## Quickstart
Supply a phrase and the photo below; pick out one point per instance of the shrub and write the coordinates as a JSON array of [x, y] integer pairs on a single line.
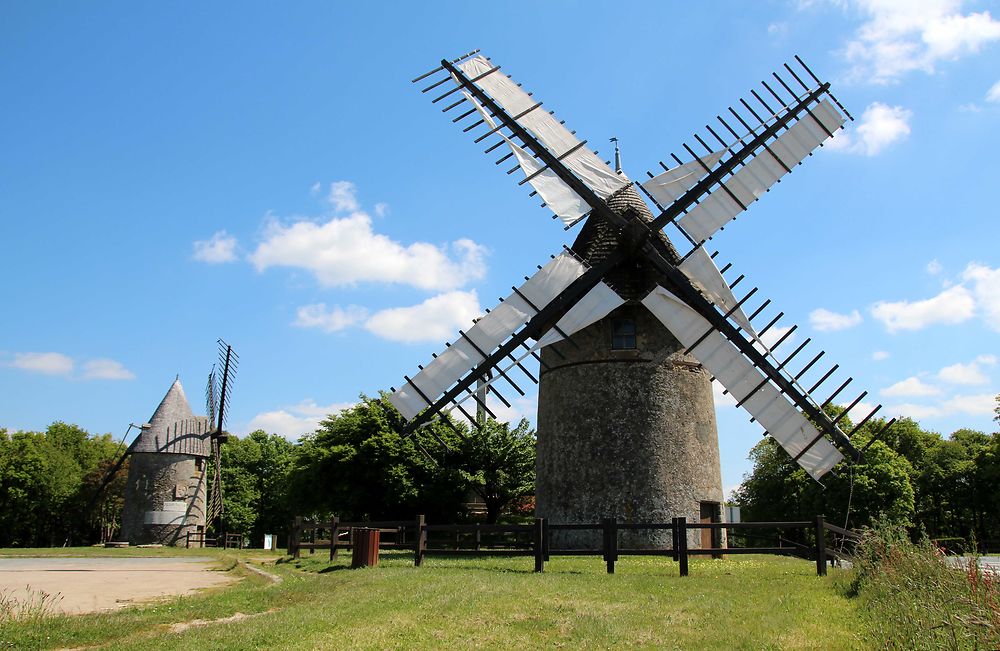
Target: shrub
[[913, 596]]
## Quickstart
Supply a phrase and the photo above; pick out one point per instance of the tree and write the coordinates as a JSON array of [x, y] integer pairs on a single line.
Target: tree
[[498, 463], [255, 474], [358, 466], [778, 489], [46, 480]]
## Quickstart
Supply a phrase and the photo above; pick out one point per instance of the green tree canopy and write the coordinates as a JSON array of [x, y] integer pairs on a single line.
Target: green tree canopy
[[357, 465], [255, 476], [778, 489], [498, 463]]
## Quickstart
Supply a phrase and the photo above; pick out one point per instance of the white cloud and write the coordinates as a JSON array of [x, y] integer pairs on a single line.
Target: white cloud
[[985, 283], [981, 404], [44, 363], [329, 320], [315, 188], [989, 360], [777, 29], [880, 126], [880, 355], [977, 293], [292, 422], [721, 399], [951, 306], [824, 320], [916, 412], [902, 36], [974, 405], [217, 250], [774, 334], [381, 209], [343, 197], [106, 369], [934, 267], [993, 94], [910, 387], [345, 251], [520, 407], [963, 374], [434, 320], [859, 411]]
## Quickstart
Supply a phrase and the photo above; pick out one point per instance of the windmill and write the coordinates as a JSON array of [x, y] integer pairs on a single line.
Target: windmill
[[217, 396], [624, 259], [165, 494]]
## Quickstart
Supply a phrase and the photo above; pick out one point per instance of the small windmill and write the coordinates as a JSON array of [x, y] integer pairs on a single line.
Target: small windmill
[[752, 148], [217, 395]]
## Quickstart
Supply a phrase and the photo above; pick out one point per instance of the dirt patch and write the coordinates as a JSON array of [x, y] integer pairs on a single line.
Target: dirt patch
[[87, 585], [180, 627]]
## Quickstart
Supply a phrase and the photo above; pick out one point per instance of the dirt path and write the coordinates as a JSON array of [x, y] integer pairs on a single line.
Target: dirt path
[[94, 584]]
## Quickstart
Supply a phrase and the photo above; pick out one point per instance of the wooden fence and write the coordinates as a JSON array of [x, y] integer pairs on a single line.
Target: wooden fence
[[534, 539], [228, 541]]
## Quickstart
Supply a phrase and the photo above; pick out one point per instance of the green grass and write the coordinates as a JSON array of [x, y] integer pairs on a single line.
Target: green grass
[[753, 602]]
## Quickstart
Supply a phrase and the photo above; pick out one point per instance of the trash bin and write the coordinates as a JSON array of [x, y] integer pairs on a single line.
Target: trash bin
[[365, 553]]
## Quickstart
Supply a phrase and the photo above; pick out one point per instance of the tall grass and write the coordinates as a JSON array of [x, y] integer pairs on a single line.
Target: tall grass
[[914, 597], [34, 606]]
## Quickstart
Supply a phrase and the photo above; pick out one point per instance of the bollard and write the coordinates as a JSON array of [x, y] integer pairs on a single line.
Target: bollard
[[365, 552]]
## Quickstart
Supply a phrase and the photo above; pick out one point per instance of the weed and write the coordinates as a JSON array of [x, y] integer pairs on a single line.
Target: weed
[[916, 597]]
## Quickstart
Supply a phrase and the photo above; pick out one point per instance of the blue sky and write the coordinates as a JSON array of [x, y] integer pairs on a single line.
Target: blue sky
[[174, 173]]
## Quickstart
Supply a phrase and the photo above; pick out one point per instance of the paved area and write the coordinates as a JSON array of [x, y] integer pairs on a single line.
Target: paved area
[[88, 585], [990, 562]]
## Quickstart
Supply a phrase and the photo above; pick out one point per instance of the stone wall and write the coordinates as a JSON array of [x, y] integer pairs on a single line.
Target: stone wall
[[164, 498], [629, 434]]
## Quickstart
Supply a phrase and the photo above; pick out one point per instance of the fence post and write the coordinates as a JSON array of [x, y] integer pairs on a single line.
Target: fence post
[[820, 546], [539, 544], [675, 545], [479, 539], [682, 540], [545, 538], [420, 545], [610, 526], [293, 537], [716, 535], [334, 536]]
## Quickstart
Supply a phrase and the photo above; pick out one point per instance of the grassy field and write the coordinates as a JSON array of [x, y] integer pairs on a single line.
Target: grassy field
[[738, 603]]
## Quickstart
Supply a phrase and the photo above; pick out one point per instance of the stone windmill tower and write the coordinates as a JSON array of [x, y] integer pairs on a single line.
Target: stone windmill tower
[[165, 495], [628, 325], [620, 406]]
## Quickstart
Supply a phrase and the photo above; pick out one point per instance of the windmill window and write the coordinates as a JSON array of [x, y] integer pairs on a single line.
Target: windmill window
[[622, 334]]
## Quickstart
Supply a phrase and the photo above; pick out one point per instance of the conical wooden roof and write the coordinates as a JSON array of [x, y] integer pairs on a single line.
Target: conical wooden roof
[[598, 238], [174, 428]]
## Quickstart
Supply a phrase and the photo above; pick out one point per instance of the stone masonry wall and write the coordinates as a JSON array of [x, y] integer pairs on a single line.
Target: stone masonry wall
[[164, 498], [629, 434]]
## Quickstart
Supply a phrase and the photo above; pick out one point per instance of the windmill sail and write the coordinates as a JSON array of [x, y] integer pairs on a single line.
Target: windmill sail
[[217, 397], [760, 173], [746, 383], [594, 306], [692, 299], [468, 353], [484, 86]]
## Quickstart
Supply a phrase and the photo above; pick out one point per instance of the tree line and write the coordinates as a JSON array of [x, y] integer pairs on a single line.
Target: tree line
[[356, 465], [947, 488]]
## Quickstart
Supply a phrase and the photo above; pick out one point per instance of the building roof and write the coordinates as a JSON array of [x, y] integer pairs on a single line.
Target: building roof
[[598, 238], [174, 429]]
